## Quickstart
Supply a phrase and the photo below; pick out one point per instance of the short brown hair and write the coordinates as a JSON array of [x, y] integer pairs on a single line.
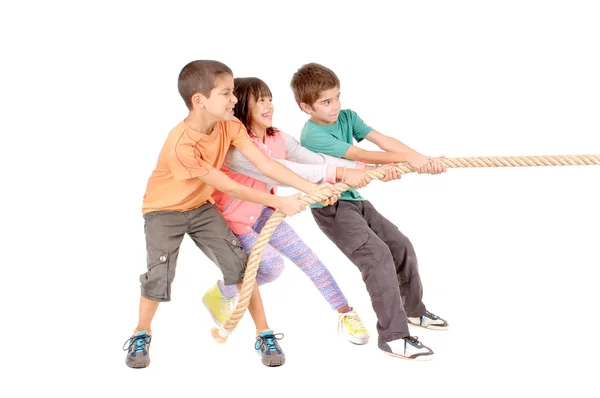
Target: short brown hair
[[200, 77], [310, 80]]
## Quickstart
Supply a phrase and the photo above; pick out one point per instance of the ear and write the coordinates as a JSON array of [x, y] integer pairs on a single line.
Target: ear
[[306, 108], [198, 100]]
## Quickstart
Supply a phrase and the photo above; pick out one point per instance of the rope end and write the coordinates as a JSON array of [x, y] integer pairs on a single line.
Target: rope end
[[220, 335]]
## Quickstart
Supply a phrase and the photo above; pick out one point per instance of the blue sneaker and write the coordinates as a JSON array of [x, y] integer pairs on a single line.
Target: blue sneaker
[[138, 350], [268, 348]]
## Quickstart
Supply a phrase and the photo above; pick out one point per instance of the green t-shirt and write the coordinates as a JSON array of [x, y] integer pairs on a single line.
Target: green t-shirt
[[335, 140]]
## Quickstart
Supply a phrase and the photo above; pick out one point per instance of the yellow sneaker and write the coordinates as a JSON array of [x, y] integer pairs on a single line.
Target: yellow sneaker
[[350, 325], [219, 306]]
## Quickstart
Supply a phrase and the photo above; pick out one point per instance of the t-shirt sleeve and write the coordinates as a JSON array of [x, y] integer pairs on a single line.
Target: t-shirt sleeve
[[323, 142], [187, 162], [239, 136], [359, 128]]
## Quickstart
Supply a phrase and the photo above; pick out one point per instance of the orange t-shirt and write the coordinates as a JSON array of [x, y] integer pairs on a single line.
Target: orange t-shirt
[[188, 154]]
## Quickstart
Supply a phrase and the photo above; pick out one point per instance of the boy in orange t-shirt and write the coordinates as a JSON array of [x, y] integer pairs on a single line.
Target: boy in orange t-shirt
[[178, 200]]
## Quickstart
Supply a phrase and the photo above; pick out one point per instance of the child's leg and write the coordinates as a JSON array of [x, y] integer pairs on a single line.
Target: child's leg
[[266, 344], [147, 310], [346, 226], [257, 310], [288, 243], [405, 259], [212, 235], [164, 232], [271, 263], [270, 267]]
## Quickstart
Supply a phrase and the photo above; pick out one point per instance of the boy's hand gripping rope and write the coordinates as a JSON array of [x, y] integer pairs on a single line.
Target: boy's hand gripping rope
[[220, 334]]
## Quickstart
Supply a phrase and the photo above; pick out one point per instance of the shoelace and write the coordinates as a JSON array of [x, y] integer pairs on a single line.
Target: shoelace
[[138, 341], [353, 320], [269, 341], [414, 340], [228, 304], [430, 315]]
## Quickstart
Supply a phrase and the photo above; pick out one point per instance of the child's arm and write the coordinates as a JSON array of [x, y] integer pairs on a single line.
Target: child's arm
[[314, 167], [295, 152], [276, 171], [395, 151], [315, 173], [289, 205]]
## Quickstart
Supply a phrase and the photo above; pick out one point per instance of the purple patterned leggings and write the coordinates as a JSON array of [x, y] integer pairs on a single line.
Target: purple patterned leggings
[[285, 242]]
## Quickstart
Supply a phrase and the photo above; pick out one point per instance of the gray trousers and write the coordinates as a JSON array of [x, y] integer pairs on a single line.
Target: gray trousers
[[385, 258]]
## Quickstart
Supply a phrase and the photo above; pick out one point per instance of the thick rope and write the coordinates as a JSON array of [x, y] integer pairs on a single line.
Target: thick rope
[[220, 334]]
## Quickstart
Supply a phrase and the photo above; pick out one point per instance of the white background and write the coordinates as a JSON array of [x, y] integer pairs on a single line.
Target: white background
[[508, 256]]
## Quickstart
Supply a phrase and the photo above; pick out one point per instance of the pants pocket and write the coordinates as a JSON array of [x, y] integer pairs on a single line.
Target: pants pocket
[[155, 282], [349, 243], [233, 270]]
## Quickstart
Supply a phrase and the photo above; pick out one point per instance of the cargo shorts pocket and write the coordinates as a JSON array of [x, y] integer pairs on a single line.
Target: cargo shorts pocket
[[233, 270], [155, 282]]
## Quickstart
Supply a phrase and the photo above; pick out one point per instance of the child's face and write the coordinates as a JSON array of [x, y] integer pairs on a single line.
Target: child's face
[[327, 107], [261, 112], [221, 102]]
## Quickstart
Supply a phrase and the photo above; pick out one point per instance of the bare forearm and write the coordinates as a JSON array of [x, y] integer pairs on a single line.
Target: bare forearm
[[376, 157], [218, 180], [390, 144]]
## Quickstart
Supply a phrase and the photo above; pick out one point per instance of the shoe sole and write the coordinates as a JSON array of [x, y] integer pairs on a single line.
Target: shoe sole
[[427, 357], [272, 363], [134, 365], [356, 340]]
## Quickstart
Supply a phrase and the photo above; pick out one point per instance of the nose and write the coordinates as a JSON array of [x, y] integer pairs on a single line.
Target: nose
[[234, 99], [336, 105]]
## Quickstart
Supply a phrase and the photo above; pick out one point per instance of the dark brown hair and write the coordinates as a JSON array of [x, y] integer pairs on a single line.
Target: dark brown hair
[[200, 77], [310, 80], [245, 88]]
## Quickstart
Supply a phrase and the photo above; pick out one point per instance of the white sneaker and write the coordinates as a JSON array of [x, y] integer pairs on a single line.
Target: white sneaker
[[351, 326], [408, 348], [429, 321]]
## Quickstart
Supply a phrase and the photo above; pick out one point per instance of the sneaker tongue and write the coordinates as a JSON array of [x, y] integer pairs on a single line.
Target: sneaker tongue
[[266, 332], [142, 333]]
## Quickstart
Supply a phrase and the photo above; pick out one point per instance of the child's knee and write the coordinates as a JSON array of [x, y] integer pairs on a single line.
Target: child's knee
[[270, 270], [156, 281]]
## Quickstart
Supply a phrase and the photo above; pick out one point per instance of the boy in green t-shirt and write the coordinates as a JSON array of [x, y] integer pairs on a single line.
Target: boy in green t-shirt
[[385, 256]]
